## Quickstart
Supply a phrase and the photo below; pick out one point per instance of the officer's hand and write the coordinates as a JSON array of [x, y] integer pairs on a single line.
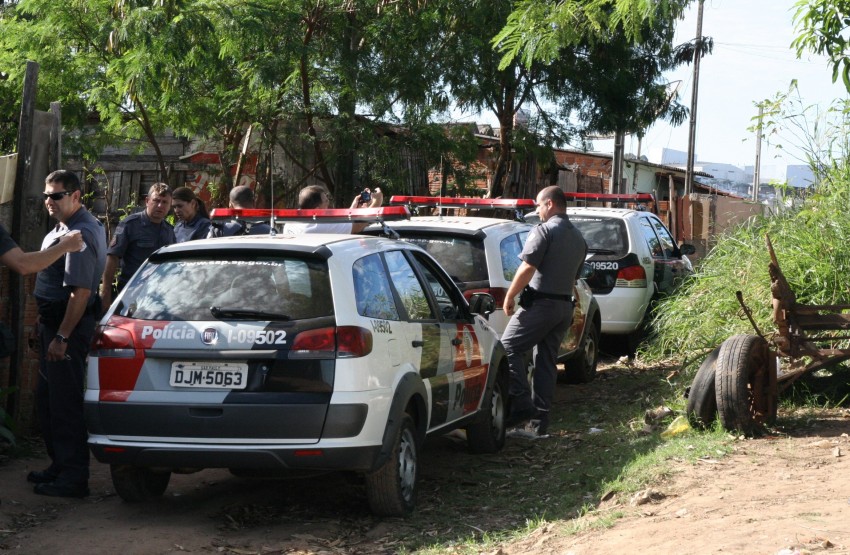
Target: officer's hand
[[56, 350], [72, 241], [509, 306], [377, 198]]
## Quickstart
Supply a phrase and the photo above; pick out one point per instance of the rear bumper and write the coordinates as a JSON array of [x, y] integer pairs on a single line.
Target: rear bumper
[[623, 309], [268, 457]]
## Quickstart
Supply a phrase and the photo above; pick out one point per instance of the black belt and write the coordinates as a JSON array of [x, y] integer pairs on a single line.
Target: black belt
[[542, 295]]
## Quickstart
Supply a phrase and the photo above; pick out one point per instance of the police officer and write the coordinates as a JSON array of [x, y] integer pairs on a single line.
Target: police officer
[[191, 213], [241, 197], [135, 239], [551, 260], [68, 307]]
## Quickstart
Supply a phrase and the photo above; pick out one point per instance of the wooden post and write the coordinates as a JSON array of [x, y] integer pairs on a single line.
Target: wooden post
[[22, 179], [56, 137]]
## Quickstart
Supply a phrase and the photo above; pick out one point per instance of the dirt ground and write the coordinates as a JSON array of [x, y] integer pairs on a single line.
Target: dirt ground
[[782, 493]]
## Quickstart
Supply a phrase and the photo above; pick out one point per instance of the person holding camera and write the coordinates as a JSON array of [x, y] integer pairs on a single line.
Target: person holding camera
[[552, 258], [314, 197]]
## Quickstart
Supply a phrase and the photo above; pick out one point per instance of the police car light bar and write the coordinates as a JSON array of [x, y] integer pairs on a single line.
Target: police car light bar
[[603, 197], [327, 215], [462, 202]]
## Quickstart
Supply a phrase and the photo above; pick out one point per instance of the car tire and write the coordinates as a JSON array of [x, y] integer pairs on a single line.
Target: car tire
[[137, 483], [487, 433], [741, 383], [581, 368], [391, 489], [702, 399]]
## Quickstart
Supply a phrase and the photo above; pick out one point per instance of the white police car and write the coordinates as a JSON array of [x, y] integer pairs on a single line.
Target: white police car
[[281, 353], [634, 258], [482, 255]]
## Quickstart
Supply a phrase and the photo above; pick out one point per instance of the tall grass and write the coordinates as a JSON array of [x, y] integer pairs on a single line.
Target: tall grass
[[812, 244]]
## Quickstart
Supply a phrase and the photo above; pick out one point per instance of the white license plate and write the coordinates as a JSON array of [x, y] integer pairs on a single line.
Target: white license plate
[[216, 375]]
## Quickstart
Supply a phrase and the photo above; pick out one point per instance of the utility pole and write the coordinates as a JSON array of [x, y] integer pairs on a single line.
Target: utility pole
[[757, 167], [689, 173]]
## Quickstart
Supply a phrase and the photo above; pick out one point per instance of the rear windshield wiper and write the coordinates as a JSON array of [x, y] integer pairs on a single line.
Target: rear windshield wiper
[[224, 312], [601, 251]]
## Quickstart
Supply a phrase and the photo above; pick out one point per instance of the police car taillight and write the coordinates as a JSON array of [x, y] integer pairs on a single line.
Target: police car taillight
[[342, 341], [631, 276], [113, 342]]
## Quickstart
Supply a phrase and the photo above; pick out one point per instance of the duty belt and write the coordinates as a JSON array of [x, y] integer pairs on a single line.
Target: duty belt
[[541, 295]]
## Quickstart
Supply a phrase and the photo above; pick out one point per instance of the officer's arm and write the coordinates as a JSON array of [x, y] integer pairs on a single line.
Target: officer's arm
[[112, 262], [30, 262], [522, 278]]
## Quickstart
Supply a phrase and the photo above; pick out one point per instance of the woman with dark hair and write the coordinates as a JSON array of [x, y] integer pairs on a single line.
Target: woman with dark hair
[[193, 218]]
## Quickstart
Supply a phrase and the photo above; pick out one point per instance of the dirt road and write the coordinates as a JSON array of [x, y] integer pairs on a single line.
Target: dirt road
[[786, 491]]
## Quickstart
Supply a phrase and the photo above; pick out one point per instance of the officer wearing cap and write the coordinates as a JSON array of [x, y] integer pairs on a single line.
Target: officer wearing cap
[[135, 239]]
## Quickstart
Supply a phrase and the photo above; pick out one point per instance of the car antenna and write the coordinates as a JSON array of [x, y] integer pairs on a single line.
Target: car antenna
[[272, 229]]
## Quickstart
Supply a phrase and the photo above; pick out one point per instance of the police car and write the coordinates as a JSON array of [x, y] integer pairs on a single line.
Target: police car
[[318, 352], [482, 255], [634, 257]]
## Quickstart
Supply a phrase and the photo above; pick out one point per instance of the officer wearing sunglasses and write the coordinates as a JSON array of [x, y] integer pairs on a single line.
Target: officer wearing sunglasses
[[68, 308]]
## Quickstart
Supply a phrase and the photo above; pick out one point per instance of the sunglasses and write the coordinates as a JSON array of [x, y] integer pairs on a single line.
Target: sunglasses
[[57, 196]]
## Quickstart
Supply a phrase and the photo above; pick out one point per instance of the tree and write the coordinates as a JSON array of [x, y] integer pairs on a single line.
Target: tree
[[822, 29]]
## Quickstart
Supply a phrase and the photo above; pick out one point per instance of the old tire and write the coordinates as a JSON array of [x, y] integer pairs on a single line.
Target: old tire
[[702, 396], [742, 383], [487, 433], [391, 489], [137, 483], [581, 368]]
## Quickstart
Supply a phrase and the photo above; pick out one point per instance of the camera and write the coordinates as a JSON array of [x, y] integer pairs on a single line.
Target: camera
[[366, 196]]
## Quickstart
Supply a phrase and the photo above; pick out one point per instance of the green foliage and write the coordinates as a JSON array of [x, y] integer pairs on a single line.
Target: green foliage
[[822, 28], [812, 244]]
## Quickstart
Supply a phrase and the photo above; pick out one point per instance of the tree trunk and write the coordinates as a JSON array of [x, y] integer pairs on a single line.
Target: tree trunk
[[499, 183]]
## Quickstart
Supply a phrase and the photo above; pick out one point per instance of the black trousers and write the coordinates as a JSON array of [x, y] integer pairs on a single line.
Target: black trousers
[[59, 397]]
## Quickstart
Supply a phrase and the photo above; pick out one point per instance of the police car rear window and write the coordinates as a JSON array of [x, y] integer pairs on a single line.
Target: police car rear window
[[186, 289], [603, 235], [463, 259]]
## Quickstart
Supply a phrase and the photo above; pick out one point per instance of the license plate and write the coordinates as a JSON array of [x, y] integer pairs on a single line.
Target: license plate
[[216, 375]]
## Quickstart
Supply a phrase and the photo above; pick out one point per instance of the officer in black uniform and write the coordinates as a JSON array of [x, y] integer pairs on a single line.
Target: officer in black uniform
[[68, 308], [135, 239], [551, 260], [240, 197]]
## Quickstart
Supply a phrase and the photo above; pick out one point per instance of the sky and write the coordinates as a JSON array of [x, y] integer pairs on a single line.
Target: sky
[[751, 61]]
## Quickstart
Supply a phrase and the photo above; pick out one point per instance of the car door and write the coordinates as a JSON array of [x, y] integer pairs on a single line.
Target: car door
[[679, 266], [663, 265], [460, 379]]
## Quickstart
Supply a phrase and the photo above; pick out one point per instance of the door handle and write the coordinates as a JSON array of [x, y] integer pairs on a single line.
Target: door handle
[[417, 343], [456, 341]]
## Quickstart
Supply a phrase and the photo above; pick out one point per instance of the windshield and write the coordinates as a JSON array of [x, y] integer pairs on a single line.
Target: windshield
[[259, 288], [602, 235], [462, 258]]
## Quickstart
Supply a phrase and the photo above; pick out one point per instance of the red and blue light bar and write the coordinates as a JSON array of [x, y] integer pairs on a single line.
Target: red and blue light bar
[[328, 215], [462, 202]]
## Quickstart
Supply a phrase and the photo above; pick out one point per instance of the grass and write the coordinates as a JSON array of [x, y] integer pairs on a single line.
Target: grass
[[599, 450]]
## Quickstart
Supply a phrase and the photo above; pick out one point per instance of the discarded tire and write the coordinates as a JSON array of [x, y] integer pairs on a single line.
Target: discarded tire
[[702, 397], [741, 381]]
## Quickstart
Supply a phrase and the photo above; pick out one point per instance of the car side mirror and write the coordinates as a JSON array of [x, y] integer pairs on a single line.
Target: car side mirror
[[482, 303], [687, 248]]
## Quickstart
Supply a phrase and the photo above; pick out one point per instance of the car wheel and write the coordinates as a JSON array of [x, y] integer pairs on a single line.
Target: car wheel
[[391, 489], [742, 383], [487, 433], [581, 368], [702, 400], [137, 483]]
